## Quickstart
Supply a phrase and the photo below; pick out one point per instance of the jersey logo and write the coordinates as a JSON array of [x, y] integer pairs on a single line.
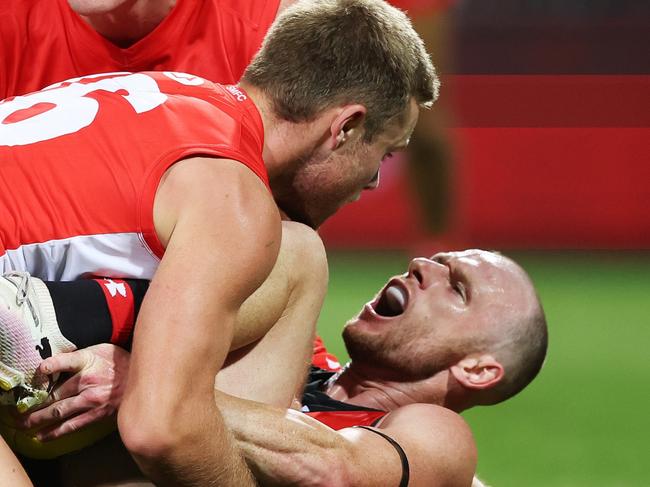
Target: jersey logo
[[115, 287], [236, 92]]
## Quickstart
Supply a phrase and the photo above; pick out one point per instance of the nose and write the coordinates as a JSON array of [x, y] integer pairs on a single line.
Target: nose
[[426, 271]]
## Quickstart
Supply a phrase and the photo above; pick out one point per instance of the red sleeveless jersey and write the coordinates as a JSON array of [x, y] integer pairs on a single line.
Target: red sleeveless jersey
[[44, 41], [80, 163]]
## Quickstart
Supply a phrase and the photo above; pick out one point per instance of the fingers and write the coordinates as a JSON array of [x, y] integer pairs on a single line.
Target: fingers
[[73, 424], [72, 362], [69, 388], [56, 412]]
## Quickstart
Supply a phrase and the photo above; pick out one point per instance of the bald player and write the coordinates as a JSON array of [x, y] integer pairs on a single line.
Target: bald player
[[458, 330]]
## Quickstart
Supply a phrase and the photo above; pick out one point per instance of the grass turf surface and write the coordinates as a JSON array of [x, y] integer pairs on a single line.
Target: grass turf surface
[[584, 420]]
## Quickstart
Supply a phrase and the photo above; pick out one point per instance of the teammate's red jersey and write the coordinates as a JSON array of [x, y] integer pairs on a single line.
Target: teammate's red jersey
[[44, 41], [80, 163]]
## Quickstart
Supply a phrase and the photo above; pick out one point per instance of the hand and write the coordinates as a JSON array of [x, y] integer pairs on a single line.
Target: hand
[[92, 393]]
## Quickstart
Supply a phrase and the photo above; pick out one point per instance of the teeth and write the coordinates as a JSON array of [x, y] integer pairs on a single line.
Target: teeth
[[396, 299]]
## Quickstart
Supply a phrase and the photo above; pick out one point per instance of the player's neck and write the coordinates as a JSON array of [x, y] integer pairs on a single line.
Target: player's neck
[[130, 21], [360, 387]]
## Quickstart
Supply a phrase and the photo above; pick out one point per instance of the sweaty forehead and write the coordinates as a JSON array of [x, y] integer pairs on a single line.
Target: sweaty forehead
[[496, 283], [479, 257], [474, 257], [494, 271]]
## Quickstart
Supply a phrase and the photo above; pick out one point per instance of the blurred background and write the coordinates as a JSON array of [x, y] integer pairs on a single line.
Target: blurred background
[[538, 147]]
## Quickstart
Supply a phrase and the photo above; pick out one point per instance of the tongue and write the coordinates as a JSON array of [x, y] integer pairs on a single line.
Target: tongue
[[395, 299]]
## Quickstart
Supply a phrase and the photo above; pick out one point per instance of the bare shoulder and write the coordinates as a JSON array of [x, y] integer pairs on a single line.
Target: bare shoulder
[[209, 176], [209, 186], [438, 443], [218, 217], [417, 416]]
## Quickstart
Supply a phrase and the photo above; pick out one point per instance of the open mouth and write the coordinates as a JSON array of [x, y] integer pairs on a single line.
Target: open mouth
[[392, 301]]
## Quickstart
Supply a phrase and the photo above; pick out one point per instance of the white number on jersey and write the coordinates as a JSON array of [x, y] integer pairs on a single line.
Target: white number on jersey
[[64, 108]]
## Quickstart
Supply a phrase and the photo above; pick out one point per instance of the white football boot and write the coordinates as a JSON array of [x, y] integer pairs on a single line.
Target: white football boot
[[29, 333]]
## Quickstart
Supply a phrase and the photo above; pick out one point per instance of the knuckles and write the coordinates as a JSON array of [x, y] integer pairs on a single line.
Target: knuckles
[[57, 411], [97, 396]]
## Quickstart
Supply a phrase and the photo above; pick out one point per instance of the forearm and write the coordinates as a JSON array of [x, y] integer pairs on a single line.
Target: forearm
[[168, 420], [286, 447]]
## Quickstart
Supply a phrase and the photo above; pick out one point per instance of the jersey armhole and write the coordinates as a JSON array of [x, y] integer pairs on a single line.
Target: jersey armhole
[[152, 180]]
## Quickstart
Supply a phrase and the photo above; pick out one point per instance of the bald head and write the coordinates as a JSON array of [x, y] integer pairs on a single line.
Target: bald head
[[513, 330], [518, 341]]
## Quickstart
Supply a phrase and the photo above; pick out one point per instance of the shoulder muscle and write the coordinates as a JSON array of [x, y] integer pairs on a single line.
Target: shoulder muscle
[[437, 442]]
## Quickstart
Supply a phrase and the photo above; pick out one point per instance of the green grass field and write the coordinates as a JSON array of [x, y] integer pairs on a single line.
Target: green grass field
[[584, 421]]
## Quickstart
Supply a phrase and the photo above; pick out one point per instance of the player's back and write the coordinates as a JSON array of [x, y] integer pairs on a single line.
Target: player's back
[[81, 161]]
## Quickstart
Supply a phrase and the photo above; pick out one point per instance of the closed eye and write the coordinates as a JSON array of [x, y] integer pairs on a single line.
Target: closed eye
[[457, 282], [460, 289]]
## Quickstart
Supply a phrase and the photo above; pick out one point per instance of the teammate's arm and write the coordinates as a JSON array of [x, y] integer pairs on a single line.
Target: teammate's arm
[[222, 232], [286, 447]]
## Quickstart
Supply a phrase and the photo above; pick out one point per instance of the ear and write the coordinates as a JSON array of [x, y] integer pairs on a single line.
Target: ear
[[347, 124], [481, 372]]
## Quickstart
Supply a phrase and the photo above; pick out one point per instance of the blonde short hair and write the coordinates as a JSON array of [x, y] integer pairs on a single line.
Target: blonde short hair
[[320, 53]]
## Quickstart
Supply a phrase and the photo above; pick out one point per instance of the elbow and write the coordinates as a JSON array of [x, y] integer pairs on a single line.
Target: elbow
[[148, 438], [144, 441], [164, 437]]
